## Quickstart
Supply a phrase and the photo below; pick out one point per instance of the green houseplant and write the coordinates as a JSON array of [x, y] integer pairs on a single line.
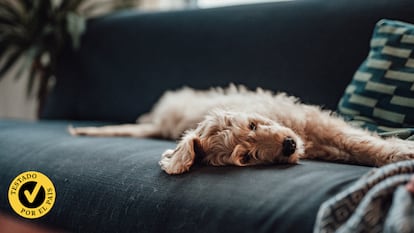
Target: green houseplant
[[34, 32]]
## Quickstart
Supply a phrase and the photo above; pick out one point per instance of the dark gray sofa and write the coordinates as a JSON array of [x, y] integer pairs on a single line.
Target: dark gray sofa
[[127, 60]]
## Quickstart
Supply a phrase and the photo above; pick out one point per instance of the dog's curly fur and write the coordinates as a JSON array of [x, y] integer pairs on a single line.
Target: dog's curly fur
[[237, 126]]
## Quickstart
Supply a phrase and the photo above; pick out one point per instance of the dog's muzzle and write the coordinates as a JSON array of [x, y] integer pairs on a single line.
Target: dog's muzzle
[[289, 146]]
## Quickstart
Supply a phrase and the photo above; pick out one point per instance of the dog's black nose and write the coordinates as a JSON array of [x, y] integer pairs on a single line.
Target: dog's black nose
[[289, 146]]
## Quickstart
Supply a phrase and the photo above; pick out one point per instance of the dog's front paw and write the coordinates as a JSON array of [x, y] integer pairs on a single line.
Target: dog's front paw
[[170, 164], [182, 158], [398, 150], [167, 154], [401, 156]]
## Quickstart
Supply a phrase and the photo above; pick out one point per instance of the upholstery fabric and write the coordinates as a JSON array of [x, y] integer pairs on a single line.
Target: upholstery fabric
[[382, 89], [309, 48], [116, 185]]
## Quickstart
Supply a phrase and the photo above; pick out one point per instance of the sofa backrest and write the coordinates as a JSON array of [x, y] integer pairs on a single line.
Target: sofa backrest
[[308, 48]]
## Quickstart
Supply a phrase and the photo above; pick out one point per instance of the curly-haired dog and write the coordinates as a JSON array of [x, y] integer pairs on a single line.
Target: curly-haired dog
[[236, 126]]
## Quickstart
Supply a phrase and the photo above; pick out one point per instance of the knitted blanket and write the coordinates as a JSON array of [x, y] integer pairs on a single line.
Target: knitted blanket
[[377, 202]]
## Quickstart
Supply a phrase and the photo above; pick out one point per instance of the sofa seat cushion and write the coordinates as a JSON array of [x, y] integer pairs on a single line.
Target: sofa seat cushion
[[116, 185]]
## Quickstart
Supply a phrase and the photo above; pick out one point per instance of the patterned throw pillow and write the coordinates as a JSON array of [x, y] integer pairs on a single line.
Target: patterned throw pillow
[[381, 94]]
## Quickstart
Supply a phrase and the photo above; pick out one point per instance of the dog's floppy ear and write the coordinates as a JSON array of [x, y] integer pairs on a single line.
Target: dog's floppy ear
[[240, 156], [183, 157]]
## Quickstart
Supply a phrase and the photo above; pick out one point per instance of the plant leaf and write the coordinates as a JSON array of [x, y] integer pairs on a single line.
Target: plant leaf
[[8, 10], [9, 15], [34, 54], [32, 77], [72, 5], [10, 61], [75, 26], [27, 61], [91, 8], [27, 5]]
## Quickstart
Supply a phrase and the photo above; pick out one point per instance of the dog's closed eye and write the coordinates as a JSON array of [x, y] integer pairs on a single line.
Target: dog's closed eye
[[252, 126], [246, 158]]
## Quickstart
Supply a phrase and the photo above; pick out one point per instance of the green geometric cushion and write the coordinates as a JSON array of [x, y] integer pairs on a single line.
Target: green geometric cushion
[[381, 93]]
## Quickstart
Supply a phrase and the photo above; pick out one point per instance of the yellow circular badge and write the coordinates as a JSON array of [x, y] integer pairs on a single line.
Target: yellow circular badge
[[32, 194]]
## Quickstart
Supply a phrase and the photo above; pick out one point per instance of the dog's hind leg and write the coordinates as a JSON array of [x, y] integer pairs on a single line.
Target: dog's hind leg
[[126, 130]]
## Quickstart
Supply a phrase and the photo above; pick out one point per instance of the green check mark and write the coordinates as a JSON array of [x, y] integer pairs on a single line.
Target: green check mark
[[32, 196]]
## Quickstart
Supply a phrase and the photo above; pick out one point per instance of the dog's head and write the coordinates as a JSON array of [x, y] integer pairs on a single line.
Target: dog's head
[[234, 138]]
